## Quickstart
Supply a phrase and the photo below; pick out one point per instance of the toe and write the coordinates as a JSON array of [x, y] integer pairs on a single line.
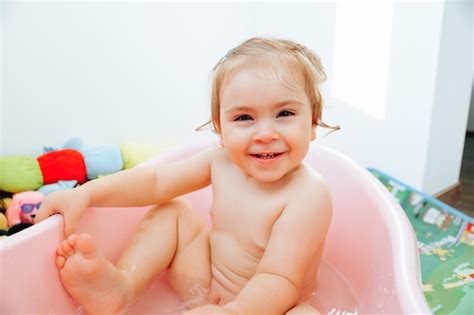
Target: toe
[[72, 239], [65, 248], [60, 262], [86, 245], [60, 252]]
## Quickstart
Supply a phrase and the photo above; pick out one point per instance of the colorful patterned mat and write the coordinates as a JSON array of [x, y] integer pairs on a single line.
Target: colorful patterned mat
[[446, 244]]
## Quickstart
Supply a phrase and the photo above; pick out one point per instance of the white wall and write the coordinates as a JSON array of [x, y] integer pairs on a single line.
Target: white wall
[[115, 72], [397, 144], [1, 79], [470, 122], [111, 72], [451, 98], [426, 90]]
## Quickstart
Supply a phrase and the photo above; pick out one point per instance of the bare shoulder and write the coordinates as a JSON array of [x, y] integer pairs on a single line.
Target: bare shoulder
[[210, 153], [217, 157], [217, 154], [310, 196]]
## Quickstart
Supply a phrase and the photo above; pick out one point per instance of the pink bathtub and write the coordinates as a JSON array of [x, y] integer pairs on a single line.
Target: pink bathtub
[[370, 262]]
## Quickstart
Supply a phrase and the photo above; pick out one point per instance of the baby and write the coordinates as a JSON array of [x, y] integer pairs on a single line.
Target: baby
[[270, 211]]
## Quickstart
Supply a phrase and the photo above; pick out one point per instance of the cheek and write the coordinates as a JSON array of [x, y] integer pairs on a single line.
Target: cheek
[[233, 135], [234, 143], [299, 132]]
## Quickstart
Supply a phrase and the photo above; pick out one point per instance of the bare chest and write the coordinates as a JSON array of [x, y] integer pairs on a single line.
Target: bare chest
[[245, 213]]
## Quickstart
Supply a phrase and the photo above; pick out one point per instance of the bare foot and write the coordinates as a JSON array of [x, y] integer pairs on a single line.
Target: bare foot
[[89, 278]]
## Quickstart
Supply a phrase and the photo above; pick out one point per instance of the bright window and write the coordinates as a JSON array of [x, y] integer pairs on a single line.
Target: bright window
[[361, 55]]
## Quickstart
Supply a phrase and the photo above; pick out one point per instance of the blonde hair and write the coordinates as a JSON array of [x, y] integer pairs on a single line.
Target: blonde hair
[[308, 67]]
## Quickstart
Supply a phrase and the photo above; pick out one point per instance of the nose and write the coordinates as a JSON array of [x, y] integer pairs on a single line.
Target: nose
[[265, 132]]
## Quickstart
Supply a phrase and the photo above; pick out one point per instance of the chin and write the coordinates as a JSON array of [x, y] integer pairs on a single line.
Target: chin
[[267, 178]]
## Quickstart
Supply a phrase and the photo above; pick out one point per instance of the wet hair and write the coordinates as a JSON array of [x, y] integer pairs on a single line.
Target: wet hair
[[303, 64]]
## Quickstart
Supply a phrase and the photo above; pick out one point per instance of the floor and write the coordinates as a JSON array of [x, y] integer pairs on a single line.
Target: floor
[[463, 199]]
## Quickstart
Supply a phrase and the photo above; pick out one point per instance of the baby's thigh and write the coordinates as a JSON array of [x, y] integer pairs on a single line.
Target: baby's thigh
[[190, 269], [303, 308]]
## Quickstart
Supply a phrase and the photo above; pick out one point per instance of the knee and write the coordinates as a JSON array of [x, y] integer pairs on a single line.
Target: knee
[[174, 205], [189, 224], [188, 218], [180, 209], [172, 210], [179, 204]]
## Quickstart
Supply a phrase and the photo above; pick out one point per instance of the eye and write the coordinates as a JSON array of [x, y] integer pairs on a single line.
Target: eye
[[285, 113], [243, 118]]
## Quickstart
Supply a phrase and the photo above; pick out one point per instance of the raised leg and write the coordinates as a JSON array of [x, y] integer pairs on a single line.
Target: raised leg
[[164, 236], [171, 235]]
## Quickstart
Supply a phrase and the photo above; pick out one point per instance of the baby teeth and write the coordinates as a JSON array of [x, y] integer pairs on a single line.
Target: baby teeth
[[266, 155]]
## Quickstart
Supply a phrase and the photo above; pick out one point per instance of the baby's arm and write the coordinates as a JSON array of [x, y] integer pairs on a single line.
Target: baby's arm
[[151, 185], [139, 186], [297, 237]]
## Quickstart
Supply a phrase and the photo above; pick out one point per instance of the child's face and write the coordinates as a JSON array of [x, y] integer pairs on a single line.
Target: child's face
[[266, 125]]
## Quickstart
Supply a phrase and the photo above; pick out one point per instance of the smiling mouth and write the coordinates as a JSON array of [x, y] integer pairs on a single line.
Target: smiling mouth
[[267, 156]]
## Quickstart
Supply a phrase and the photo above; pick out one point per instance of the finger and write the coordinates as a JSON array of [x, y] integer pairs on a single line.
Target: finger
[[70, 223], [44, 212], [68, 229]]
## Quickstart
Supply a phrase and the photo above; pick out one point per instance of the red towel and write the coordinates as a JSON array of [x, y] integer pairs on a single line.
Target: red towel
[[62, 165]]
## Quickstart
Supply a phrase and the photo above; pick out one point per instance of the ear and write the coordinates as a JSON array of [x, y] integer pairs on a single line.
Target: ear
[[313, 132]]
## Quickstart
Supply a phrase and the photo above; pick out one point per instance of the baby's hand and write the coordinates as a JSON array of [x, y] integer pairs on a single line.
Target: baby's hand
[[210, 309], [70, 203]]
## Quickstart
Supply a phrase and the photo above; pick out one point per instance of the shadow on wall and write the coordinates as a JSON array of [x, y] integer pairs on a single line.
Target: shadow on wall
[[470, 121]]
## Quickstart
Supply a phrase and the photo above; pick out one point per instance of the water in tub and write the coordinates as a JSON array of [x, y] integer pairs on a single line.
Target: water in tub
[[333, 296]]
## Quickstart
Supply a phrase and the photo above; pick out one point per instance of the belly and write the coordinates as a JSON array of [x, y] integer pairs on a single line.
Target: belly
[[233, 264]]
